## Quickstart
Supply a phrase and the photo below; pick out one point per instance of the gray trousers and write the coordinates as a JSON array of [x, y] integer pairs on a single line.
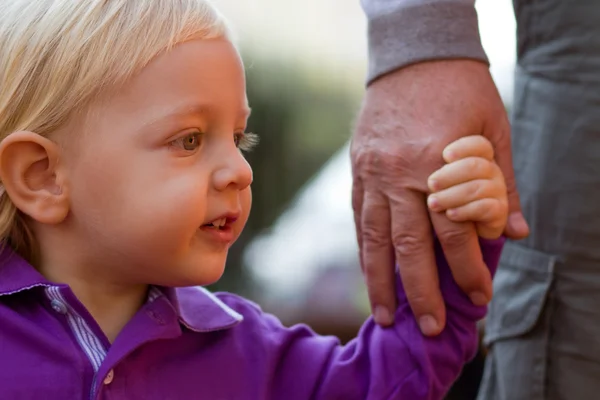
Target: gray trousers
[[543, 327]]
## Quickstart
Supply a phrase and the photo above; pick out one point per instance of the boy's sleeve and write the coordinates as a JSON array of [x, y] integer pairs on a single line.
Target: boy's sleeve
[[404, 32], [391, 363]]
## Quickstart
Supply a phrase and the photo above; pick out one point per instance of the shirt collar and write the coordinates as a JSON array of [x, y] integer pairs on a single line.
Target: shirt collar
[[196, 308], [16, 274]]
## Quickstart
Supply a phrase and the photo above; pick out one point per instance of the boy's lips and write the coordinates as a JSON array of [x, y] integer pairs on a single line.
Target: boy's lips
[[225, 219], [221, 227], [223, 235]]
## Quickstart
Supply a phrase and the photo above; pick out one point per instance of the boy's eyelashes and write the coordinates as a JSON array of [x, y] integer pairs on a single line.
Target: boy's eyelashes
[[245, 141]]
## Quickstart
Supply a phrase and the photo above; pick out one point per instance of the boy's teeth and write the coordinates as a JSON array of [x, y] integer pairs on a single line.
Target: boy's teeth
[[219, 222]]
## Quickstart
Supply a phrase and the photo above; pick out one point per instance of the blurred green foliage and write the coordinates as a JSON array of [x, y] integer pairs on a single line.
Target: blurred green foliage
[[302, 118]]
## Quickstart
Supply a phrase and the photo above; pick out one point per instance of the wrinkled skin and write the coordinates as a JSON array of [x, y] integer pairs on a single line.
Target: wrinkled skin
[[408, 117]]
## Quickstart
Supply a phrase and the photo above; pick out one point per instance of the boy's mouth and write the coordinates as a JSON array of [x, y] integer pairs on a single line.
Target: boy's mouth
[[221, 229], [219, 224], [223, 222]]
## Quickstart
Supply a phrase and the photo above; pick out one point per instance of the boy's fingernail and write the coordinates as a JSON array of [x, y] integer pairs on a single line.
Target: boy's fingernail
[[448, 155], [382, 316], [433, 203], [428, 325], [433, 184], [479, 299]]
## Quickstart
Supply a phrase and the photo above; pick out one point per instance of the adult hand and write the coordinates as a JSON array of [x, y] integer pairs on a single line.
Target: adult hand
[[408, 117]]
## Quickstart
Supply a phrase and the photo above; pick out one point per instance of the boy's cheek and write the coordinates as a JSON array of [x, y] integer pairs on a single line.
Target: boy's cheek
[[245, 205]]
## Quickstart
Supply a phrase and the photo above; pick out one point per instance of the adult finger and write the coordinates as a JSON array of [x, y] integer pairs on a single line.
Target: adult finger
[[413, 244], [378, 257], [357, 205], [499, 135], [461, 248]]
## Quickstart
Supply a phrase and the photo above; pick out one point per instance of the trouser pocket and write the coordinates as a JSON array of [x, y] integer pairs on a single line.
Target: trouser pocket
[[517, 326]]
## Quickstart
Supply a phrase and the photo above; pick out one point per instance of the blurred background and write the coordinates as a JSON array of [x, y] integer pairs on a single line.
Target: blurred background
[[306, 66]]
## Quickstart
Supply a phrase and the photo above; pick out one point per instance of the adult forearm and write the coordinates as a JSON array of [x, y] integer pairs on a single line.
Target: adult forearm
[[404, 32]]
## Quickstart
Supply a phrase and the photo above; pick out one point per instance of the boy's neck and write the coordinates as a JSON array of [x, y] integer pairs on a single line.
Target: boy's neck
[[111, 306], [111, 303]]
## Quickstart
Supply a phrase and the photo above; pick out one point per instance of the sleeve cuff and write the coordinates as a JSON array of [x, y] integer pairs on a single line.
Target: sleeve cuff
[[423, 32]]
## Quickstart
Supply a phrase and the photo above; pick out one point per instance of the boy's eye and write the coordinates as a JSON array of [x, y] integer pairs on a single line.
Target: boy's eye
[[245, 141], [189, 142]]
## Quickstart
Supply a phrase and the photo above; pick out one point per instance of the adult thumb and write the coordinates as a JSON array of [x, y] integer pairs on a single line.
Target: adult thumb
[[516, 227]]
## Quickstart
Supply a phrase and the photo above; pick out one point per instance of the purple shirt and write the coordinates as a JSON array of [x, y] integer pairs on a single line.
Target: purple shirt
[[187, 343]]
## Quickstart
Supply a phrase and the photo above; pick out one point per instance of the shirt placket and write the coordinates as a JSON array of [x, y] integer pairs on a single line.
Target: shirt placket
[[87, 340]]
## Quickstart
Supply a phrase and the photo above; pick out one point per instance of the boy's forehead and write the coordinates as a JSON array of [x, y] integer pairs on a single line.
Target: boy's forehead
[[195, 78]]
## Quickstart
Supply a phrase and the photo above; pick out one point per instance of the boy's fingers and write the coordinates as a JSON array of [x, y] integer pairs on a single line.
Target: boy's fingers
[[469, 146], [464, 170], [485, 231], [499, 135], [486, 211], [464, 193]]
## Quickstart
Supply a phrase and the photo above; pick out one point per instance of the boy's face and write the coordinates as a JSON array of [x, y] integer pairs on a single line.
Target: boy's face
[[158, 161]]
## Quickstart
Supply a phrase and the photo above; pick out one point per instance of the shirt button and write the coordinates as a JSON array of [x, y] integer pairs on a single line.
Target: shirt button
[[58, 306], [109, 377]]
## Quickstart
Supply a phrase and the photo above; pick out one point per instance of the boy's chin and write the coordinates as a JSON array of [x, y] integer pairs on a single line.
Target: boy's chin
[[196, 270], [203, 275]]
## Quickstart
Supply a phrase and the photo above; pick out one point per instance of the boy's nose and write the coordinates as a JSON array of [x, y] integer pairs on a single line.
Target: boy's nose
[[233, 172]]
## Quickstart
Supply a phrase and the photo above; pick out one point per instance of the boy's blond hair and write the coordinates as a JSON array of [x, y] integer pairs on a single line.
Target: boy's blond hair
[[57, 55]]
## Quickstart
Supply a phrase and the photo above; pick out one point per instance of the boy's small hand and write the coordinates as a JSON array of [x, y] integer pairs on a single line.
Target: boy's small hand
[[471, 187]]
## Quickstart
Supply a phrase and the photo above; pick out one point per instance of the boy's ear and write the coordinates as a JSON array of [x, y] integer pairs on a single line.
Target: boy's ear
[[33, 178]]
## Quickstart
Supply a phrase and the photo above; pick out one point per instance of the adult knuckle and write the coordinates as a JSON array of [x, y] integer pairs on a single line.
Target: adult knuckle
[[381, 149], [407, 244], [454, 237], [373, 236], [369, 159]]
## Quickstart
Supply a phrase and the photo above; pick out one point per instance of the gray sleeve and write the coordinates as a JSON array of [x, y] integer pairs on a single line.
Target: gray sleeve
[[404, 32]]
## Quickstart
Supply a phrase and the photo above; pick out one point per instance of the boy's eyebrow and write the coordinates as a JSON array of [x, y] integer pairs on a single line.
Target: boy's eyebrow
[[189, 109]]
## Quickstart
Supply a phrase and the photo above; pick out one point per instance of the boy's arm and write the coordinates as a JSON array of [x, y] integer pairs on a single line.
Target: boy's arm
[[404, 32], [391, 363]]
